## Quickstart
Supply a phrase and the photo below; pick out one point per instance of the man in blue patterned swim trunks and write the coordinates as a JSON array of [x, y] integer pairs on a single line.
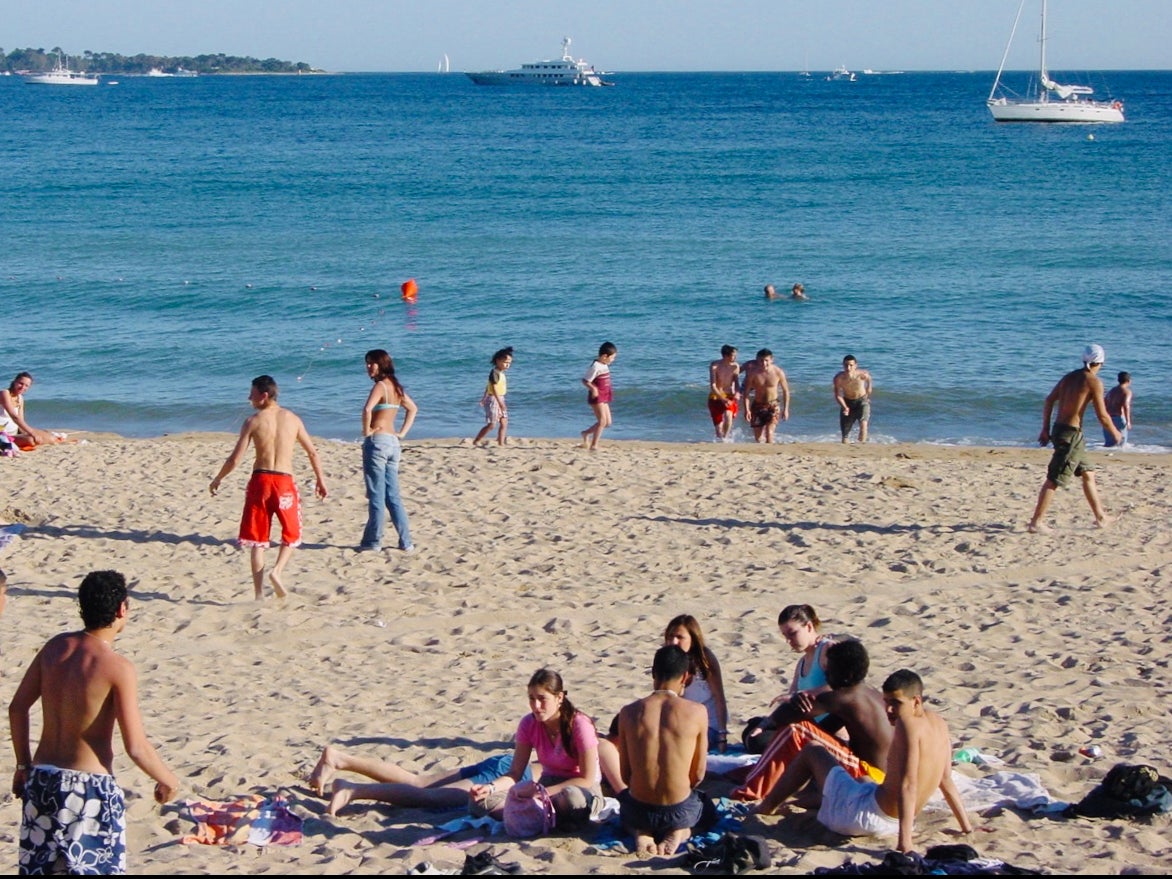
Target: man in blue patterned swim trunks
[[74, 817]]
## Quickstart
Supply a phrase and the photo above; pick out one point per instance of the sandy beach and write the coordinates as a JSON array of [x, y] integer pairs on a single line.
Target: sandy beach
[[1031, 646]]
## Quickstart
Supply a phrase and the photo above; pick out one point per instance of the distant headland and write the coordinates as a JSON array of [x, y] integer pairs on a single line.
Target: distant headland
[[35, 60]]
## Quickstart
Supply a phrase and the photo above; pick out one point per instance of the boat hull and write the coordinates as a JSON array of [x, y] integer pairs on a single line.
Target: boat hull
[[59, 79], [1085, 112], [516, 77]]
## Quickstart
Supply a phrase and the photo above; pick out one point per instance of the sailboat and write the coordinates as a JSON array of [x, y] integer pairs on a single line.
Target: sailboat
[[1053, 102], [445, 65]]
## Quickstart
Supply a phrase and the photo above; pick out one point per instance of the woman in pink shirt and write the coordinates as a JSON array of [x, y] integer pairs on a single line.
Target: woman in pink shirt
[[562, 737]]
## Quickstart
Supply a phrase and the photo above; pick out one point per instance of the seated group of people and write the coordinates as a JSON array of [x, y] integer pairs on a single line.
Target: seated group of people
[[653, 758]]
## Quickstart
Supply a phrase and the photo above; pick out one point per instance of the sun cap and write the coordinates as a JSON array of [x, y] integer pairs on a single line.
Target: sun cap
[[1094, 354]]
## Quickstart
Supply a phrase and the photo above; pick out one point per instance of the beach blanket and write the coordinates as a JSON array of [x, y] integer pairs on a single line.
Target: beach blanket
[[253, 819], [1021, 790], [9, 533], [728, 816], [608, 813]]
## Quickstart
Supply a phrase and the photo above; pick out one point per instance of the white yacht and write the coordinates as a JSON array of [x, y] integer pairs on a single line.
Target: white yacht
[[61, 75], [1052, 102], [562, 71]]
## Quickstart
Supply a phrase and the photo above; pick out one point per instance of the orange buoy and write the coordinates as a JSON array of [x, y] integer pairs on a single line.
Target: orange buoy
[[410, 290]]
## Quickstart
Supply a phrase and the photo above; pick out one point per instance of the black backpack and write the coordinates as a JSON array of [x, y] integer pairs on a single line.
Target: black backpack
[[1127, 791]]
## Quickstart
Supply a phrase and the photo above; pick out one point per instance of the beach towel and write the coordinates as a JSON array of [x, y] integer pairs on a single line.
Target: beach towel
[[1021, 790], [722, 816], [253, 819]]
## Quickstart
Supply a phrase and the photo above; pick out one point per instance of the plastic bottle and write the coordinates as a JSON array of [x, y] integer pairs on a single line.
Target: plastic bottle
[[967, 755]]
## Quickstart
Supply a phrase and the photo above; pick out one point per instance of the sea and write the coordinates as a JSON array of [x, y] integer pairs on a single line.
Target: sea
[[165, 240]]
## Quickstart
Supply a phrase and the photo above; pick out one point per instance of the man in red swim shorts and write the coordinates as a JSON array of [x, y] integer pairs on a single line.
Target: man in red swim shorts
[[723, 392], [271, 490]]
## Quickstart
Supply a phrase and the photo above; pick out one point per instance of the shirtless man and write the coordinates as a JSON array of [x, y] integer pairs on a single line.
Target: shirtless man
[[852, 392], [918, 762], [1072, 394], [764, 381], [1118, 402], [663, 752], [770, 292], [271, 490], [852, 704], [74, 813], [724, 392]]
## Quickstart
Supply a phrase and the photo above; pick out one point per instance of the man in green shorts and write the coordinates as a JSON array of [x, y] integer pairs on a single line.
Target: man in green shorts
[[1072, 394]]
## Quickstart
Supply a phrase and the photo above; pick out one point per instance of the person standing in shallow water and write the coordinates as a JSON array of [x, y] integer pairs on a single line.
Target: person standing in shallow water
[[1118, 402], [1071, 395], [381, 451], [852, 392]]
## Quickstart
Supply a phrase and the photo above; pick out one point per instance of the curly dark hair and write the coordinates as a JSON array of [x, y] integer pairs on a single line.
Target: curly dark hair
[[100, 595]]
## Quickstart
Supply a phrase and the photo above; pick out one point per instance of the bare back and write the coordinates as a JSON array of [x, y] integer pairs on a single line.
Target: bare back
[[275, 432], [80, 677], [1116, 401], [663, 747], [921, 749], [862, 710], [382, 406]]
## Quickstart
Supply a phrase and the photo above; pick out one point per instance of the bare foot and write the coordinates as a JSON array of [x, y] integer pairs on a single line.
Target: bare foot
[[674, 840], [1038, 528], [323, 773], [278, 586], [340, 796], [644, 847], [1104, 522], [585, 442]]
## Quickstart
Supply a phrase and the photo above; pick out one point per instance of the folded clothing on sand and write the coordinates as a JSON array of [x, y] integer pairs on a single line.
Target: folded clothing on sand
[[252, 818]]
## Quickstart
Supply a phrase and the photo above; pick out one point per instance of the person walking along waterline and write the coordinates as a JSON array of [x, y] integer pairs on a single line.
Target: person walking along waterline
[[599, 393], [496, 411], [1072, 394], [381, 451]]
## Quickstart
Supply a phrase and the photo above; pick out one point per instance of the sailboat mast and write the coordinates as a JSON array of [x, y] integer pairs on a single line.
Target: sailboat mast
[[1045, 74]]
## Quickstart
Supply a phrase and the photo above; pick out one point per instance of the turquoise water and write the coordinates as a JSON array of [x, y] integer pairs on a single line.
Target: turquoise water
[[165, 240]]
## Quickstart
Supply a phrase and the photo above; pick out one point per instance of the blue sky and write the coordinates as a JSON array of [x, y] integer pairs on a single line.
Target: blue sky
[[616, 35]]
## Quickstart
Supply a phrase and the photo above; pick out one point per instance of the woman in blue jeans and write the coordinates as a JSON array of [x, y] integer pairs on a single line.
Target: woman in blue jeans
[[381, 451]]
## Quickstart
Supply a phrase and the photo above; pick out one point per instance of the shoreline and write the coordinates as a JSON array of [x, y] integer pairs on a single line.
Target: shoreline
[[519, 441], [1031, 646]]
